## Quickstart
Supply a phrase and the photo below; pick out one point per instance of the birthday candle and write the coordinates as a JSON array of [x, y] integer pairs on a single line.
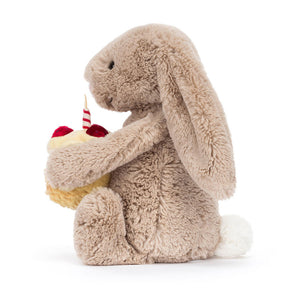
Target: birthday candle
[[86, 120]]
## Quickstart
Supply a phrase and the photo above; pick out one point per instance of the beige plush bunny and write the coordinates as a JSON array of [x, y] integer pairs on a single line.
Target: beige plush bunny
[[170, 163]]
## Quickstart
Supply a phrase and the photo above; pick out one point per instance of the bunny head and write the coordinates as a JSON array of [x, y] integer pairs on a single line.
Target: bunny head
[[122, 76], [157, 65]]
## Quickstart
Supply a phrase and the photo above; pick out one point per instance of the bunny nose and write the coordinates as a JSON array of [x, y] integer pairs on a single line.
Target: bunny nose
[[88, 72]]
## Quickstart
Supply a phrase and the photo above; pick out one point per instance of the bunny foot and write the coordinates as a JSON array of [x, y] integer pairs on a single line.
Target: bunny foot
[[99, 231], [236, 237]]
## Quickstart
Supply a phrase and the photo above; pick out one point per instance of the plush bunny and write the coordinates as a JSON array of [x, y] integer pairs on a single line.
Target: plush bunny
[[170, 163]]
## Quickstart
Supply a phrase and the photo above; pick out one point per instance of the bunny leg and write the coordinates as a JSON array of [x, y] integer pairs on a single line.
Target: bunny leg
[[99, 231]]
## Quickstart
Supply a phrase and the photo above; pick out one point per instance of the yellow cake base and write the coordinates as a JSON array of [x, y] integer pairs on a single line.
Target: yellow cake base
[[72, 198]]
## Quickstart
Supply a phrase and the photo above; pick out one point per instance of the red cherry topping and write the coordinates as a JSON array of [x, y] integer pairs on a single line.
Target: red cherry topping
[[97, 131], [61, 131]]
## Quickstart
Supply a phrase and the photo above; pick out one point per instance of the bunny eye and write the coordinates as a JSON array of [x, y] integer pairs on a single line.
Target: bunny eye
[[111, 65]]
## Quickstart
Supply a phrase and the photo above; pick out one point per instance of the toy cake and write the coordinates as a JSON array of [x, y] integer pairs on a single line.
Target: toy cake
[[64, 136]]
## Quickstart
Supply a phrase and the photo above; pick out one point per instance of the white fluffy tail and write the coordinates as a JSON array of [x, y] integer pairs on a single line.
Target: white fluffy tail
[[236, 237]]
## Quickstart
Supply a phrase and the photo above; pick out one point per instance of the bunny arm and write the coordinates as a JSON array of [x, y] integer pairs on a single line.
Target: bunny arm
[[82, 164]]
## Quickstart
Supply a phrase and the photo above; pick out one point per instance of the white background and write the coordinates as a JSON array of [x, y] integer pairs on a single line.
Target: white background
[[251, 53]]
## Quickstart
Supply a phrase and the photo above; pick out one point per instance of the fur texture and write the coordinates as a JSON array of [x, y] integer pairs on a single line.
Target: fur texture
[[169, 164]]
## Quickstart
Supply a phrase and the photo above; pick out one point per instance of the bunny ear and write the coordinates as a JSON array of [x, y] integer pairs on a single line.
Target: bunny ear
[[196, 122]]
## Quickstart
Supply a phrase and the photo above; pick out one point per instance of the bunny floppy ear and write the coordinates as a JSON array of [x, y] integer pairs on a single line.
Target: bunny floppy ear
[[195, 120]]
